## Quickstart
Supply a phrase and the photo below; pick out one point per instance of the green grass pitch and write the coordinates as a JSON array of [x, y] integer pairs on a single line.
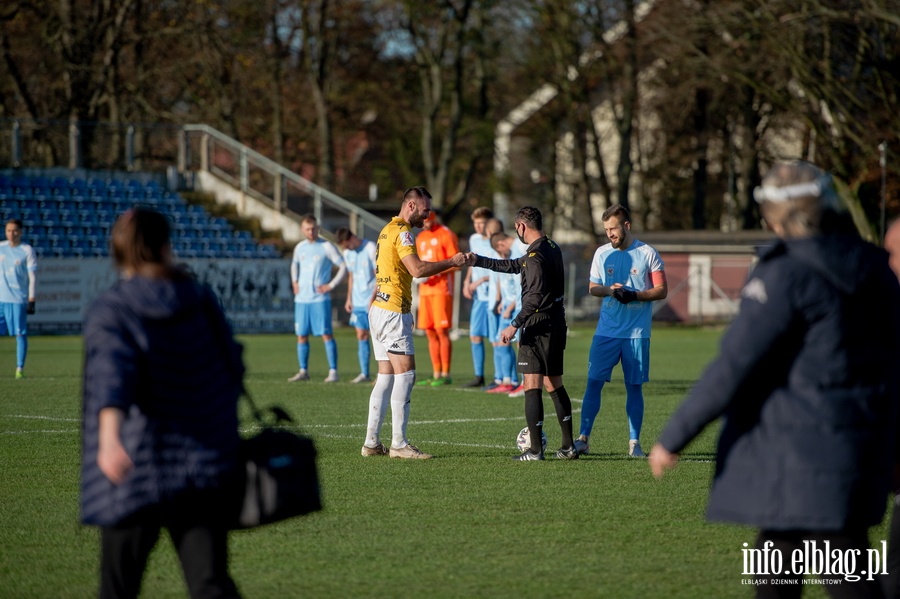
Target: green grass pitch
[[469, 523]]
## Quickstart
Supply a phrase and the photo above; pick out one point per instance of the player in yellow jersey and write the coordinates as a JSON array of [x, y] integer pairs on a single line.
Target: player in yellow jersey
[[391, 323]]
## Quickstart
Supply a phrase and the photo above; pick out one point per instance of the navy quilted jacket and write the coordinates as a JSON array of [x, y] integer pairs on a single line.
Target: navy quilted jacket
[[807, 382], [161, 351]]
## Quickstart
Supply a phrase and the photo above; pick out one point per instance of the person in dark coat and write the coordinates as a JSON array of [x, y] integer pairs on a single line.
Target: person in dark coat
[[891, 582], [162, 377], [807, 382]]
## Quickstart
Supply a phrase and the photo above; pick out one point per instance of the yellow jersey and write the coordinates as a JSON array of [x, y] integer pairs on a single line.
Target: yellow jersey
[[394, 291]]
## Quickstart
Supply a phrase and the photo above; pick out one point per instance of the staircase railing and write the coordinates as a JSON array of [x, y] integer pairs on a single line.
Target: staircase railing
[[205, 148]]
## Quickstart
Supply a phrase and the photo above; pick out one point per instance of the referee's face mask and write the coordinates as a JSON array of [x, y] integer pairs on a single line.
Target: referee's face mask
[[520, 231]]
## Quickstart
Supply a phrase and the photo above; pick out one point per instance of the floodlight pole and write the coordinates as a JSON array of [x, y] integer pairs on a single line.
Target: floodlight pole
[[882, 160]]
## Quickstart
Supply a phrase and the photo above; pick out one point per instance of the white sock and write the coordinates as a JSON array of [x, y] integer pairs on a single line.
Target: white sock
[[378, 402], [403, 385]]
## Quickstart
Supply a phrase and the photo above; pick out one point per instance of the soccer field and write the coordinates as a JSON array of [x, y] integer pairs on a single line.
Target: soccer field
[[469, 523]]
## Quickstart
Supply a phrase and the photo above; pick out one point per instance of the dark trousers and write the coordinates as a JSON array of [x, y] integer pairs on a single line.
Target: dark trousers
[[787, 541], [200, 538]]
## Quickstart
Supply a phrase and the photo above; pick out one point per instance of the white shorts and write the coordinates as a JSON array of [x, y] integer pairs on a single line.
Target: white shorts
[[391, 332]]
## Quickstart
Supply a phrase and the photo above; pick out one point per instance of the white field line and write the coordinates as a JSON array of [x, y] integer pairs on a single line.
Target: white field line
[[27, 417], [252, 428]]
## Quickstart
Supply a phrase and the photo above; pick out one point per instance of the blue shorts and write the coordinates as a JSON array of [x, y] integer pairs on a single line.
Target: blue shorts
[[359, 318], [313, 318], [606, 352], [13, 319], [482, 322], [502, 323]]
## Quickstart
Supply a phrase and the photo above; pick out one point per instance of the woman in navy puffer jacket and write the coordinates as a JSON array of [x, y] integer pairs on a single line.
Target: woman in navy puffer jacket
[[162, 377], [807, 382]]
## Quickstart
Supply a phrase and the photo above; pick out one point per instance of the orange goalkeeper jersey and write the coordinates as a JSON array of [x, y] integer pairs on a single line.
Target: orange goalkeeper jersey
[[434, 245]]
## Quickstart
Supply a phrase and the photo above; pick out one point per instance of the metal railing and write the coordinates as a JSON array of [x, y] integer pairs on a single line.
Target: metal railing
[[204, 148], [38, 144]]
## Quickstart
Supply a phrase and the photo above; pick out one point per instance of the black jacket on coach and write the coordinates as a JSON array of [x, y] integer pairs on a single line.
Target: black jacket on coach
[[807, 382]]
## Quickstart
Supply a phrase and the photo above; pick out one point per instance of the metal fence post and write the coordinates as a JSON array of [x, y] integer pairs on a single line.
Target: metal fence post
[[129, 148], [204, 152], [74, 146], [317, 205], [278, 191], [245, 170], [16, 144]]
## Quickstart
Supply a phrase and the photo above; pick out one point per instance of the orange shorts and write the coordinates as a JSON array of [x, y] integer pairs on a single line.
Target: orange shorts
[[435, 312]]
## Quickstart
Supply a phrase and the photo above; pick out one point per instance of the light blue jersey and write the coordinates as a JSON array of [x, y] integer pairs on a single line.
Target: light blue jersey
[[17, 267], [632, 268], [510, 290], [517, 249], [311, 267], [361, 265], [481, 245]]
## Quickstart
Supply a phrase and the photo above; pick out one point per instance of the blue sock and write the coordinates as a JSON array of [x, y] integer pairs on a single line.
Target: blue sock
[[590, 405], [331, 352], [634, 407], [511, 364], [303, 355], [21, 350], [363, 351], [503, 359], [478, 358], [498, 369]]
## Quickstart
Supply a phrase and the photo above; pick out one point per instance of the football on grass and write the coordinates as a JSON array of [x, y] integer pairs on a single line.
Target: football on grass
[[523, 441]]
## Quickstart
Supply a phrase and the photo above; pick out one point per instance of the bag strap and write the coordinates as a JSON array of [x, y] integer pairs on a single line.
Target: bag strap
[[218, 324], [277, 412]]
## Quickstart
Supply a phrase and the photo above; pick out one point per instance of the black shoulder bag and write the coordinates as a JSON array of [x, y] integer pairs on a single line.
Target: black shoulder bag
[[279, 469]]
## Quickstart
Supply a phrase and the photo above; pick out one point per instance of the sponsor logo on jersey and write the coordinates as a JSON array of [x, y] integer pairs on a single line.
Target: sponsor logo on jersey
[[406, 238], [381, 296]]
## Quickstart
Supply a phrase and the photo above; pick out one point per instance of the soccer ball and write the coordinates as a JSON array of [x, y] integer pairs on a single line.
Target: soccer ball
[[523, 440]]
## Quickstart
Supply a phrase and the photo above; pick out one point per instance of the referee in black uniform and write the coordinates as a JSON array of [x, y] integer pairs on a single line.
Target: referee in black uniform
[[541, 324]]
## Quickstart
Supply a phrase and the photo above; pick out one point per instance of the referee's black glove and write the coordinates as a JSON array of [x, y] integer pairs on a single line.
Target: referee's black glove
[[30, 308], [625, 296]]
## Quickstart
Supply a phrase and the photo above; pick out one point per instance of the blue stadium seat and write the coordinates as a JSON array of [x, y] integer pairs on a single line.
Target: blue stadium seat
[[20, 183], [78, 187]]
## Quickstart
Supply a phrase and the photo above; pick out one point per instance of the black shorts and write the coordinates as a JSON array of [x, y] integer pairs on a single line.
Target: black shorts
[[541, 347]]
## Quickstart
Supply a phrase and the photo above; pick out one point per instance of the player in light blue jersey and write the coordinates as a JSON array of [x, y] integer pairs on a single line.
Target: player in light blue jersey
[[518, 250], [492, 228], [476, 288], [18, 266], [629, 275], [311, 269], [359, 256], [509, 289]]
